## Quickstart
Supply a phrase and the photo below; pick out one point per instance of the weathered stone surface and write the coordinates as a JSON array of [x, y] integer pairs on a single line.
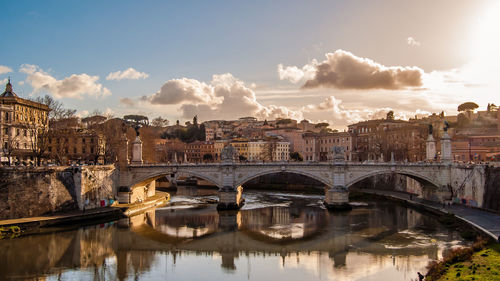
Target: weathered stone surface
[[337, 199], [37, 191], [491, 198]]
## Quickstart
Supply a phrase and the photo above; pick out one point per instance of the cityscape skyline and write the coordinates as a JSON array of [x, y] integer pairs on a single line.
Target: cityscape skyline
[[225, 60]]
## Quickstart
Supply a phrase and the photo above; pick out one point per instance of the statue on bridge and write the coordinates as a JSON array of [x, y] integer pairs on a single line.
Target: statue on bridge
[[229, 154], [446, 126], [337, 154]]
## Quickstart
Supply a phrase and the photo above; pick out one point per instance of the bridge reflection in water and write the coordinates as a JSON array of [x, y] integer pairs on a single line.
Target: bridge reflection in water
[[291, 239]]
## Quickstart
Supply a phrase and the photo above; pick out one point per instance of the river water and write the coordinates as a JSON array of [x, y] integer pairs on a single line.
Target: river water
[[275, 236]]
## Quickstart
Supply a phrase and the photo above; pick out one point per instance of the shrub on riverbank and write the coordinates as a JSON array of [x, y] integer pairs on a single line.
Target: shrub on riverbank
[[461, 263]]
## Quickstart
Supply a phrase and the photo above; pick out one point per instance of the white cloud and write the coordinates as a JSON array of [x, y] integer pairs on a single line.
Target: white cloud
[[225, 97], [343, 70], [3, 81], [177, 91], [127, 101], [349, 116], [5, 69], [28, 68], [412, 42], [129, 73], [83, 113], [74, 86], [109, 112], [20, 83], [295, 74]]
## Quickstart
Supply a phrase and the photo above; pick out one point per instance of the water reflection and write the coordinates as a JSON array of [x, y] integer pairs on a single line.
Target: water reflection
[[275, 236]]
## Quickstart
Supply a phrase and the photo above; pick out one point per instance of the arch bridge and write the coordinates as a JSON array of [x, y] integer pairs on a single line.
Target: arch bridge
[[337, 176]]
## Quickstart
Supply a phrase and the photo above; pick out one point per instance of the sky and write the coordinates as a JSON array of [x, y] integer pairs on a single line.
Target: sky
[[334, 61]]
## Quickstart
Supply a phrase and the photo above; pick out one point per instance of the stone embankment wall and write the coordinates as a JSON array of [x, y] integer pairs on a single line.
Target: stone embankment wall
[[468, 184], [491, 198], [28, 192]]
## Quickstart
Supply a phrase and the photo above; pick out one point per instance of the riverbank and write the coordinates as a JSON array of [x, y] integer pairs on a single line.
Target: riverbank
[[160, 199], [485, 222], [12, 228], [479, 262]]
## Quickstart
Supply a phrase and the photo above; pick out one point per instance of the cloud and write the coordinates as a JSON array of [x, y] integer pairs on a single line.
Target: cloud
[[3, 81], [129, 73], [82, 114], [74, 86], [185, 90], [20, 83], [5, 69], [295, 74], [412, 42], [127, 101], [225, 97], [28, 68], [343, 70], [350, 116]]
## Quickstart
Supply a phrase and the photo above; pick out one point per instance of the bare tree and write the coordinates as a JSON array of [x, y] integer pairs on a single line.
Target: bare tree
[[38, 141], [57, 110], [159, 122], [11, 146]]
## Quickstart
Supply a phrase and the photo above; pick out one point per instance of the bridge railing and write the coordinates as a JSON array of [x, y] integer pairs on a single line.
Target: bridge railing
[[310, 163]]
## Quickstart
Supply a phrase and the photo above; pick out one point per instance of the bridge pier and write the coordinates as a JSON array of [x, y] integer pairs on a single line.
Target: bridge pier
[[230, 198], [228, 220], [337, 199]]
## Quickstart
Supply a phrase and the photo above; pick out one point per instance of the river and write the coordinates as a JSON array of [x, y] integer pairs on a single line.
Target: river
[[275, 236]]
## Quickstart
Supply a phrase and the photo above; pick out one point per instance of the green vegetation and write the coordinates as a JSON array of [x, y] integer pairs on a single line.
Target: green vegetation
[[321, 125], [467, 106], [296, 156], [283, 121], [390, 115], [483, 265], [479, 262]]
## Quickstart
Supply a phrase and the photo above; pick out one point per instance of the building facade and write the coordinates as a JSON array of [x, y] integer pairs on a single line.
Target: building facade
[[76, 146], [23, 128], [200, 151]]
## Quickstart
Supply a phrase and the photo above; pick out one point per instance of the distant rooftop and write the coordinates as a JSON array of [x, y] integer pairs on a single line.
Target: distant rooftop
[[8, 91]]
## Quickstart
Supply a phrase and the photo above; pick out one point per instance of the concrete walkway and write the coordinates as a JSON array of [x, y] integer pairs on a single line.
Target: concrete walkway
[[486, 222], [62, 218]]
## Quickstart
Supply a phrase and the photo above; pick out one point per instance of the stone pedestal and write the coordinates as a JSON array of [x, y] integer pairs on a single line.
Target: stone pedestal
[[137, 151], [430, 149], [123, 153], [337, 199], [230, 198], [446, 148]]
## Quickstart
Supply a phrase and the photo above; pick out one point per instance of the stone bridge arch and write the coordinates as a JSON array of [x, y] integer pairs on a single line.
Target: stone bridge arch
[[145, 179], [325, 179], [422, 179]]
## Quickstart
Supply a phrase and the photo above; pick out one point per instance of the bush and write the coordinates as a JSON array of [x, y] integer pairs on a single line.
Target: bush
[[436, 269]]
